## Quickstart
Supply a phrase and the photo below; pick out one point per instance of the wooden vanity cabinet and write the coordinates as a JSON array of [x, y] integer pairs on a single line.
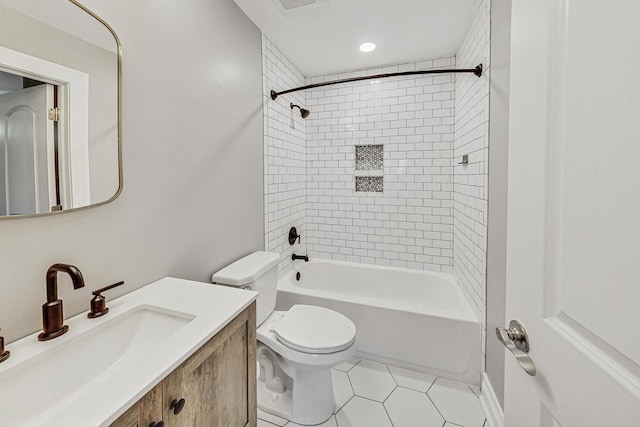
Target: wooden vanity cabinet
[[217, 383], [145, 412]]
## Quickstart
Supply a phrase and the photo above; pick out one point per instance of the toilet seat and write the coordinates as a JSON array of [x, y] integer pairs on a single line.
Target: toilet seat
[[316, 330]]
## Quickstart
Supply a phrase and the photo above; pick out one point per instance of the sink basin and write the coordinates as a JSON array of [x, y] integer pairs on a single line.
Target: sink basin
[[54, 378]]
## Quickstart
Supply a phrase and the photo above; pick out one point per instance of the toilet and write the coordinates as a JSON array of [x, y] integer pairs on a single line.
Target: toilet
[[296, 349]]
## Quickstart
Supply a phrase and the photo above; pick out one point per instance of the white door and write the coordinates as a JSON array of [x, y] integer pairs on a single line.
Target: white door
[[27, 160], [573, 252]]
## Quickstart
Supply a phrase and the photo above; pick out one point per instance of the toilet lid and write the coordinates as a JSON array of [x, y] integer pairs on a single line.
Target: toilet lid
[[312, 329]]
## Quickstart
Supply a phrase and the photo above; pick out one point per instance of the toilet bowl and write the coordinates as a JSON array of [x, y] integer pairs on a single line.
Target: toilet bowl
[[296, 349]]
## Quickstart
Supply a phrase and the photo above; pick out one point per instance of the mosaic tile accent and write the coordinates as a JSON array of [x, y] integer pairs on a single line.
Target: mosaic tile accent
[[369, 157], [369, 183]]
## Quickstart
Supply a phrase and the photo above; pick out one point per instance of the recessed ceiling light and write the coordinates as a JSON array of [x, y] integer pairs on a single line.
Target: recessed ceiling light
[[367, 47]]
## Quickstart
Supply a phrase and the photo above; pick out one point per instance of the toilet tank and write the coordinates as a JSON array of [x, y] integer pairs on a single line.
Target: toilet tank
[[258, 272]]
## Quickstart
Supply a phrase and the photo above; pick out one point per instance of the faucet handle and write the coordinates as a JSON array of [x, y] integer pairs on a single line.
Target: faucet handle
[[4, 355], [293, 236], [99, 303]]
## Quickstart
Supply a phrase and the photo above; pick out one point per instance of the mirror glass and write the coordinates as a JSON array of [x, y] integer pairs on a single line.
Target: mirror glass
[[59, 108]]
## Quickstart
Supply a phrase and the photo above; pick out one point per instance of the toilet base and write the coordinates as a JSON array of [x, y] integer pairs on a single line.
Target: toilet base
[[303, 396]]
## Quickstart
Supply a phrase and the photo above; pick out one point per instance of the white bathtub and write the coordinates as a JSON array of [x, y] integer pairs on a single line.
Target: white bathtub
[[408, 318]]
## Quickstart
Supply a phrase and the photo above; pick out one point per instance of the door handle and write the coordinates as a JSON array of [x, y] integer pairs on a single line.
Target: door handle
[[516, 340]]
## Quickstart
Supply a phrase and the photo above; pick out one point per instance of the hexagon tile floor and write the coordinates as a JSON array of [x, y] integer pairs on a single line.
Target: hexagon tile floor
[[371, 394]]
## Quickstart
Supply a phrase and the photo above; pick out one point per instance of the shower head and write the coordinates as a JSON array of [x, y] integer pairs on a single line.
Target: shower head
[[303, 112]]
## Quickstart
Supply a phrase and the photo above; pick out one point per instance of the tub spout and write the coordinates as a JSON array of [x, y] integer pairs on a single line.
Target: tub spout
[[304, 257]]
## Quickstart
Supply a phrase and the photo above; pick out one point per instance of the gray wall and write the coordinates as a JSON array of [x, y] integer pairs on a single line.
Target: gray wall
[[193, 164], [497, 220]]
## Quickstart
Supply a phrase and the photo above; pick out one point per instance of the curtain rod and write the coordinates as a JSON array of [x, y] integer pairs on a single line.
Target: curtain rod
[[477, 71]]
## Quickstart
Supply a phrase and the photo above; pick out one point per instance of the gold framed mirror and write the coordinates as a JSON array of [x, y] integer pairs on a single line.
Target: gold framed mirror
[[60, 108]]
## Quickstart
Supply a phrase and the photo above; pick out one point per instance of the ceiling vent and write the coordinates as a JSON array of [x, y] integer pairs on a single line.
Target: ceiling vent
[[294, 4]]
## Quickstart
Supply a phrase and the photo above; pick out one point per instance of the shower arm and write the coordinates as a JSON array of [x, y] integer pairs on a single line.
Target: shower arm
[[477, 71]]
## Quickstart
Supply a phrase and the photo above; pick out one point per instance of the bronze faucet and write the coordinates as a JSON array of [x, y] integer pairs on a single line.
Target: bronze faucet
[[52, 318], [4, 355]]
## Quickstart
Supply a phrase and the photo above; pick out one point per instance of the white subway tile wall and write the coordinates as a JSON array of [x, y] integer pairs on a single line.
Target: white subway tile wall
[[432, 213], [471, 181], [285, 157], [410, 223]]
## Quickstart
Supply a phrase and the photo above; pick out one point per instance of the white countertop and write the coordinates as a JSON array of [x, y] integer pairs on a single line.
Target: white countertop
[[102, 401]]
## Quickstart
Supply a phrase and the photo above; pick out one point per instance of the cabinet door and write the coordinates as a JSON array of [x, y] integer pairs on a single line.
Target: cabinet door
[[145, 412], [218, 383]]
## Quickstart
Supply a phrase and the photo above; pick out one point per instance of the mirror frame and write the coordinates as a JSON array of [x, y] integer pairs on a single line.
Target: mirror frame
[[119, 130]]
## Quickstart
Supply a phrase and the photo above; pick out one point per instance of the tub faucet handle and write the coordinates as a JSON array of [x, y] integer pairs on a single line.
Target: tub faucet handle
[[293, 236]]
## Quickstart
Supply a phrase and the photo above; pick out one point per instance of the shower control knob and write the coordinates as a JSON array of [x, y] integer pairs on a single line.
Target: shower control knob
[[293, 236]]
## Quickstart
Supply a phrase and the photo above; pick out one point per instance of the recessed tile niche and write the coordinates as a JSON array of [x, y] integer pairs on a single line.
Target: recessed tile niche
[[372, 184], [369, 157], [369, 168]]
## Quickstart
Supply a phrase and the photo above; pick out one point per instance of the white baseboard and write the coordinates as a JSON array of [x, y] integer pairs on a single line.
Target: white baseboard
[[490, 406]]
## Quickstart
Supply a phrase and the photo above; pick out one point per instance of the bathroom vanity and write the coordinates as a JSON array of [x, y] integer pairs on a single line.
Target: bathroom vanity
[[172, 353], [214, 387]]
